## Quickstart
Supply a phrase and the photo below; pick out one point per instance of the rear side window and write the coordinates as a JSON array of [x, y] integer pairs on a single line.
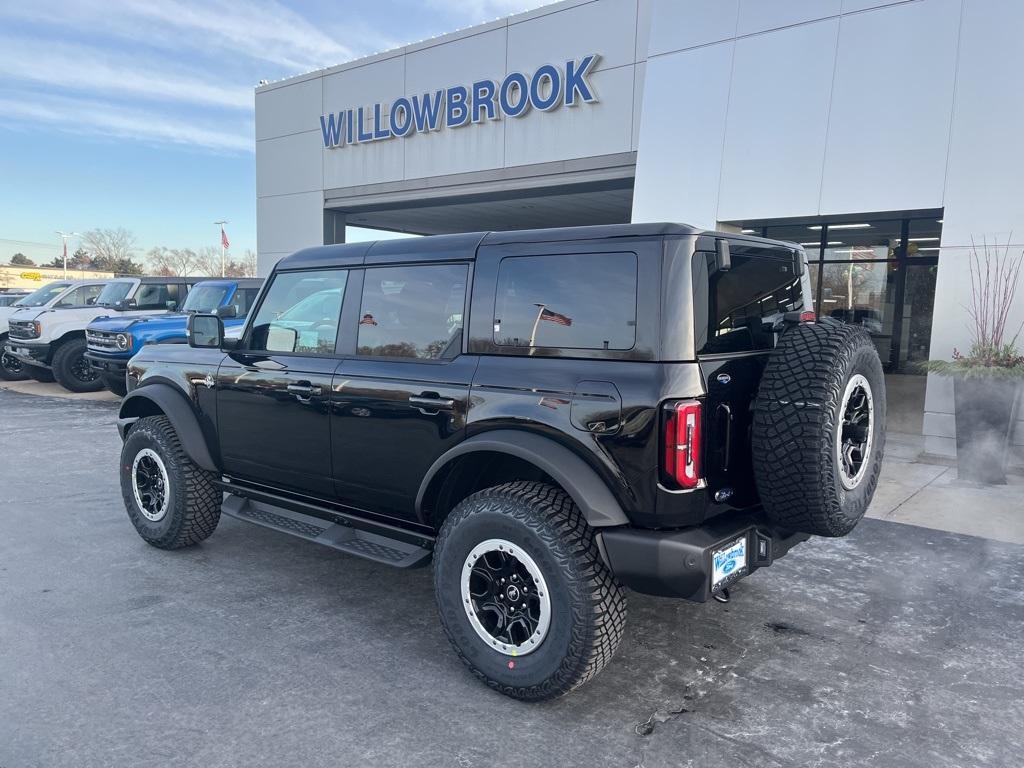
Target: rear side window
[[158, 296], [570, 301], [243, 300], [736, 309], [300, 313], [413, 311]]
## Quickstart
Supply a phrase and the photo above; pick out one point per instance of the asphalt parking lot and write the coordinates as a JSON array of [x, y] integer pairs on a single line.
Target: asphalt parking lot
[[897, 646]]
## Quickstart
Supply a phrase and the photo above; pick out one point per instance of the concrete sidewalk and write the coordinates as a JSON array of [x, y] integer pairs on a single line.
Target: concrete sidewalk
[[918, 492], [52, 389]]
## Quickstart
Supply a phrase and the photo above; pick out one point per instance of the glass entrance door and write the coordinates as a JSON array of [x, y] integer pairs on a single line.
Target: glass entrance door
[[874, 271]]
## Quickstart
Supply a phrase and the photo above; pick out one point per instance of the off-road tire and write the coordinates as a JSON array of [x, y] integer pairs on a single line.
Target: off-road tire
[[115, 384], [588, 607], [69, 355], [796, 415], [11, 369], [193, 508]]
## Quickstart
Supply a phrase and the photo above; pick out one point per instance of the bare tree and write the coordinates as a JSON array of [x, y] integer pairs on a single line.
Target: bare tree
[[109, 246], [248, 263], [174, 261], [208, 259]]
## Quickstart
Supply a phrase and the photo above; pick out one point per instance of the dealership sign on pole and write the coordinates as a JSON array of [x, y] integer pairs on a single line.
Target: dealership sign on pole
[[548, 88]]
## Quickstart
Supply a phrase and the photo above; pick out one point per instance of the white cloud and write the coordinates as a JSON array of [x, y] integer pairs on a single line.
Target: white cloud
[[260, 30], [81, 68], [99, 118]]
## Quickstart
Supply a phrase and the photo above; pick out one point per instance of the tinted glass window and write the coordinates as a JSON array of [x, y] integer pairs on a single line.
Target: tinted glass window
[[743, 303], [413, 311], [205, 298], [243, 300], [300, 313], [81, 296], [151, 296], [43, 295], [115, 292], [575, 301]]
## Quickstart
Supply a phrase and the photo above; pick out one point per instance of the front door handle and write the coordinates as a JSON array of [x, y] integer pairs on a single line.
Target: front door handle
[[305, 389], [431, 401]]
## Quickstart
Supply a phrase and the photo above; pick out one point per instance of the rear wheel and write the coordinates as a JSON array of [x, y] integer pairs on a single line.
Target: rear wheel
[[171, 502], [11, 369], [115, 384], [523, 594], [72, 370], [819, 428]]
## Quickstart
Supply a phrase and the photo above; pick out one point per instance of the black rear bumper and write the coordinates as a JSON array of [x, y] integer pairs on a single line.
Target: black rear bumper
[[678, 563]]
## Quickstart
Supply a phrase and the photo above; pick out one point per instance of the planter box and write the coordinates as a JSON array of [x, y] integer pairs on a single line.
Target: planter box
[[986, 411]]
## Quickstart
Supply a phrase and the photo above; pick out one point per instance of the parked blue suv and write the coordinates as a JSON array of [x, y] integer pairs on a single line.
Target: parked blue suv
[[113, 340]]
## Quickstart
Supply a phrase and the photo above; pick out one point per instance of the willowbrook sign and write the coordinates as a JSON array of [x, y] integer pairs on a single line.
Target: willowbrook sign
[[548, 88]]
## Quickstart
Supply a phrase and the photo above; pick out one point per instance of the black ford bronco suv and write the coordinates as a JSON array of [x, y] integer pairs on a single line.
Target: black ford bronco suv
[[549, 416]]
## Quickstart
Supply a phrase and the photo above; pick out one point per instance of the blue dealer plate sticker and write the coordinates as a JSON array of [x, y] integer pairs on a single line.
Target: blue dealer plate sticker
[[728, 562]]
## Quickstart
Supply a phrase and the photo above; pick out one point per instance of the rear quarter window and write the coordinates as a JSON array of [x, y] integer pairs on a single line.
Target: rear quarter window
[[567, 301]]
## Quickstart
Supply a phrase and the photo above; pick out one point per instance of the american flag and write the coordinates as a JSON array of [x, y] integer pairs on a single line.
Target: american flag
[[554, 317], [224, 239]]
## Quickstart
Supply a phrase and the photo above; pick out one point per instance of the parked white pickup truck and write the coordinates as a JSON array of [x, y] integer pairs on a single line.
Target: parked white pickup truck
[[58, 295], [49, 340]]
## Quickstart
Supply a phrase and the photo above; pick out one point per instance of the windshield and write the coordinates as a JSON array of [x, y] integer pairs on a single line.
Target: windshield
[[205, 298], [114, 292], [43, 295]]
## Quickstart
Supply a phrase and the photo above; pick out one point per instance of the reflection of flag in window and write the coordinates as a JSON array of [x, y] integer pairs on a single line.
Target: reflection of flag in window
[[554, 317], [543, 313], [368, 320]]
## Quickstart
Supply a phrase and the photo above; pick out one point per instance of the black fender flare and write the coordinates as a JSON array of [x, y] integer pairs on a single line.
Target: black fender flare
[[580, 480], [178, 411]]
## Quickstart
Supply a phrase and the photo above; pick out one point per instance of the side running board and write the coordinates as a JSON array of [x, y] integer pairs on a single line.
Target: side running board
[[344, 538]]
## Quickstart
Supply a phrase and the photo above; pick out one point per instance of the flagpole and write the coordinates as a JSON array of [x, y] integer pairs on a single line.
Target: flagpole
[[64, 239], [536, 323], [223, 250]]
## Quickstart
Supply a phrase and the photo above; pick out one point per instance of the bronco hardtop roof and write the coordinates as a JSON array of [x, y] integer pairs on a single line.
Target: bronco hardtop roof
[[464, 246]]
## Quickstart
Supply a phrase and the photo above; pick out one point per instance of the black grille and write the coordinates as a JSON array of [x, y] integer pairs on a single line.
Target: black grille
[[101, 340], [22, 329]]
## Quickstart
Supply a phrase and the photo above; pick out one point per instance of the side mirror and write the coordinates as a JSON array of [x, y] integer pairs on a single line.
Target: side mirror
[[91, 301], [205, 331], [171, 305], [126, 304], [229, 310]]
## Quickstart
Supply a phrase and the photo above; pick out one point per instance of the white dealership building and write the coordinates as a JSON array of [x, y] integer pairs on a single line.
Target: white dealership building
[[884, 135]]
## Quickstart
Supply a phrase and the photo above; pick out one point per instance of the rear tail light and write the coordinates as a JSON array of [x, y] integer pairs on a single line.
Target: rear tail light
[[681, 460], [808, 316]]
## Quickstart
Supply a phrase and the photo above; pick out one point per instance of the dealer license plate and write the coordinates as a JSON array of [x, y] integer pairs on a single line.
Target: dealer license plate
[[728, 563]]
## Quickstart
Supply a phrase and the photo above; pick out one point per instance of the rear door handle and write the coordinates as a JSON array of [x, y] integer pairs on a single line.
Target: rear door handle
[[431, 401]]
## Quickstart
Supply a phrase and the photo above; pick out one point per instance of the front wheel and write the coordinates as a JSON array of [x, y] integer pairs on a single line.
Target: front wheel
[[171, 501], [72, 370], [11, 368], [524, 596]]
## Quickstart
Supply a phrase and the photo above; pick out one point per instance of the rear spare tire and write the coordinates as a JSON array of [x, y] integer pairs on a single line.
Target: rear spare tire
[[819, 428]]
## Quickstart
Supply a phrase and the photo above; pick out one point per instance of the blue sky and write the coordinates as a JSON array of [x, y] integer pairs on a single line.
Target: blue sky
[[138, 113]]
